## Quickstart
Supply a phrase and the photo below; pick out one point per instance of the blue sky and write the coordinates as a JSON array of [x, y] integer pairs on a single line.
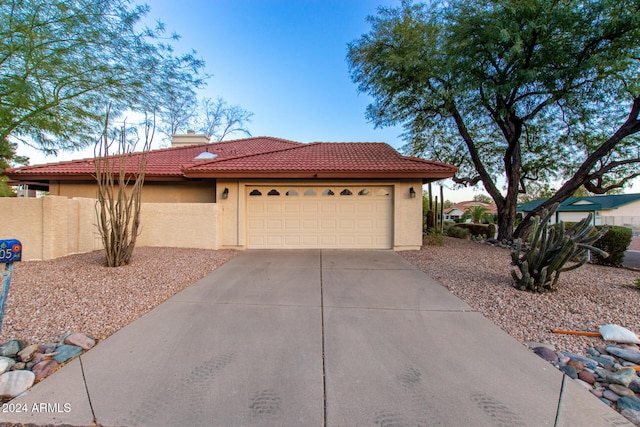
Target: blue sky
[[283, 60]]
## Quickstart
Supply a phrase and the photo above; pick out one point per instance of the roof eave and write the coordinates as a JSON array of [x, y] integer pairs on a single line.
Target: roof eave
[[311, 174], [18, 179]]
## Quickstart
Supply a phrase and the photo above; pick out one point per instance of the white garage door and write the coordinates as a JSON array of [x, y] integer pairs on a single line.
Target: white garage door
[[319, 217]]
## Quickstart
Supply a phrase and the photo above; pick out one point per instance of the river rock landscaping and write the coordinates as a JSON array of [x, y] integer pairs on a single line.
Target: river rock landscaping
[[21, 365], [608, 372]]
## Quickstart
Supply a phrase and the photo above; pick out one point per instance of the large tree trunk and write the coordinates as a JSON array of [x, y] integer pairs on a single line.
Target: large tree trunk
[[507, 214], [506, 221]]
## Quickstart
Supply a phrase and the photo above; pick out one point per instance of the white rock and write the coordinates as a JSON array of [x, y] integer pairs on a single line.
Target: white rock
[[14, 383], [4, 366]]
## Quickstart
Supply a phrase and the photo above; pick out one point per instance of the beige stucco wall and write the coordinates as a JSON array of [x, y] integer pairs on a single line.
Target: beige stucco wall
[[230, 214], [407, 212], [407, 216], [50, 227], [22, 220], [56, 226], [185, 225], [152, 192]]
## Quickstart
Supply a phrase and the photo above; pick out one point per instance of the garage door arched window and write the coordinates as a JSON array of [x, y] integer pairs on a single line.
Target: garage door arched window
[[291, 192], [310, 192], [273, 192], [255, 193], [363, 192], [328, 192], [346, 192]]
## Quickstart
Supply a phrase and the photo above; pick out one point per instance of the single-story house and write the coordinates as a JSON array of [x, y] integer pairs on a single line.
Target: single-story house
[[273, 193], [452, 214], [456, 211], [613, 209]]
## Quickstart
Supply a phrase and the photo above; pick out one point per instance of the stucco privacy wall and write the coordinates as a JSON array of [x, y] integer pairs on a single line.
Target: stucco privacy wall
[[54, 226], [50, 227], [181, 225], [22, 220]]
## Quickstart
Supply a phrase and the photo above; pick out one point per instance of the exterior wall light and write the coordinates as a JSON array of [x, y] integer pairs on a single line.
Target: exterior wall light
[[412, 193], [225, 193]]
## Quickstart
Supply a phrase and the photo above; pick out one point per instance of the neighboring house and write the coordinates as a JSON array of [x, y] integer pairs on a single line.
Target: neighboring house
[[456, 211], [452, 214], [273, 193], [614, 209], [470, 204]]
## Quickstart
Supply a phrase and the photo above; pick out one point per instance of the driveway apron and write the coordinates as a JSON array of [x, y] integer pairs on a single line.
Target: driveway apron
[[312, 337]]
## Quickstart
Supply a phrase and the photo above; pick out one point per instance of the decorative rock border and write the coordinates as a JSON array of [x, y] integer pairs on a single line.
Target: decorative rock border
[[22, 365], [608, 372]]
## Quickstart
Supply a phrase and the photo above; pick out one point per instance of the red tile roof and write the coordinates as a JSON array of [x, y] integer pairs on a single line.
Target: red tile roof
[[165, 162], [323, 159], [470, 204], [259, 157]]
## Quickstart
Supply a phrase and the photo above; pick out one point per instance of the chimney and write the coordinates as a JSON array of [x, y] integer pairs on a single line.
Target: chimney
[[190, 138]]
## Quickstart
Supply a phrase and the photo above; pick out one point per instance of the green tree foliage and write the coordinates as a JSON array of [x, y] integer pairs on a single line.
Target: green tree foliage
[[62, 62], [478, 215], [8, 158], [510, 91]]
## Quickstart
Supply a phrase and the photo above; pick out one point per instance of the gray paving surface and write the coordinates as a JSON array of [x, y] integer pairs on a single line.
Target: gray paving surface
[[313, 338], [631, 259]]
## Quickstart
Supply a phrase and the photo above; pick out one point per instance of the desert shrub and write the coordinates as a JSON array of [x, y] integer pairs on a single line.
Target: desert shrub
[[615, 242], [434, 237], [479, 229], [452, 230]]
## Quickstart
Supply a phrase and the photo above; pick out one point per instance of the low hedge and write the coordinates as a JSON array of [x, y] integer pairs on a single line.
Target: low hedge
[[615, 242], [487, 230], [452, 230]]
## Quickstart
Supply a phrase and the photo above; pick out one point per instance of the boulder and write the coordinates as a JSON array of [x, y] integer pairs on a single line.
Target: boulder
[[26, 354], [80, 340], [67, 352], [11, 348], [14, 383], [44, 369]]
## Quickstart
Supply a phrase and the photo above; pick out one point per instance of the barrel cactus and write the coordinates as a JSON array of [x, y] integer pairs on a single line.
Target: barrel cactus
[[551, 247]]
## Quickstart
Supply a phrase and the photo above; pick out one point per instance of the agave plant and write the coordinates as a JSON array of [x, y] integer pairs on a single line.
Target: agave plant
[[551, 247]]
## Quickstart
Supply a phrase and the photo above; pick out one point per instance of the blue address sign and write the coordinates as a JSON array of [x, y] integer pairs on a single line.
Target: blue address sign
[[10, 250]]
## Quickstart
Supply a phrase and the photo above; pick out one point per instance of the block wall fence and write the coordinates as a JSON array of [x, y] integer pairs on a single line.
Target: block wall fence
[[55, 226]]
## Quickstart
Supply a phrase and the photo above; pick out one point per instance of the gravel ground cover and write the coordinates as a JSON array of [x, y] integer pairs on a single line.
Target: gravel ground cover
[[79, 293], [587, 298]]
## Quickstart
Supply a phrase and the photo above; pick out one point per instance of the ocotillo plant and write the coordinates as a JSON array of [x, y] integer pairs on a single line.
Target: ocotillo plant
[[550, 249]]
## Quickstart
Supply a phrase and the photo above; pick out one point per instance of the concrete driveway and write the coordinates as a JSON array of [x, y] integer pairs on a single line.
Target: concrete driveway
[[312, 338]]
